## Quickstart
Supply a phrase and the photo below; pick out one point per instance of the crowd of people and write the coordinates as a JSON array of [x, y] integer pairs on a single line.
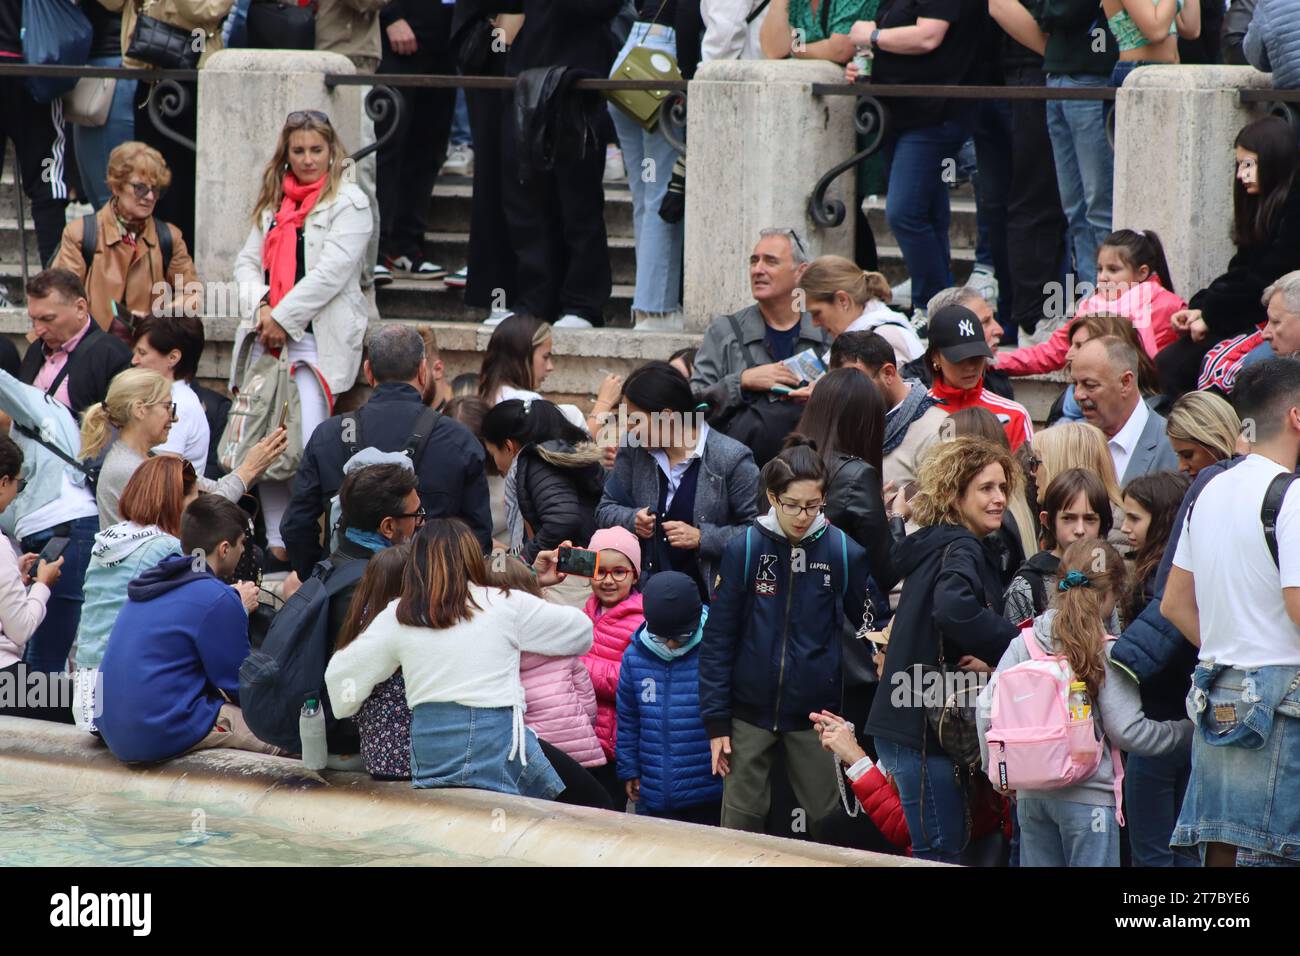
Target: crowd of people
[[796, 531]]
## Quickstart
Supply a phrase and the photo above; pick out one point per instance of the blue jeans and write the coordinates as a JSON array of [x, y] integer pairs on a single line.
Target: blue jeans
[[460, 134], [942, 834], [649, 160], [94, 143], [51, 643], [1245, 782], [1063, 833], [1085, 168], [1153, 795], [917, 203], [457, 746]]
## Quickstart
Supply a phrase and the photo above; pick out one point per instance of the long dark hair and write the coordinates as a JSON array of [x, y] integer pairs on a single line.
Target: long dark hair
[[1160, 493], [1141, 247], [1254, 218], [378, 587], [658, 387], [528, 423], [445, 560], [846, 415], [509, 356]]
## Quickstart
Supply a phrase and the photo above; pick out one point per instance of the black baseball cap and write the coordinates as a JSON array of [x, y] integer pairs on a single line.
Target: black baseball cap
[[957, 334]]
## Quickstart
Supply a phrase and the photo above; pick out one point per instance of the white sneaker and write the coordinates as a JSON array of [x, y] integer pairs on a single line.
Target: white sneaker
[[460, 160], [983, 279], [571, 322], [382, 275], [497, 316], [658, 321], [1043, 330], [920, 323], [614, 171], [903, 295], [458, 279]]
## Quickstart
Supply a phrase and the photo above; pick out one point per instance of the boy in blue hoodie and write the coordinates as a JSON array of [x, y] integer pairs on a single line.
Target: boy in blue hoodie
[[662, 751], [171, 670]]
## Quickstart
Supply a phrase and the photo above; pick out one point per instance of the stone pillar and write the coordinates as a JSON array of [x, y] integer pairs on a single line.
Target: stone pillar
[[1174, 165], [244, 97], [758, 141]]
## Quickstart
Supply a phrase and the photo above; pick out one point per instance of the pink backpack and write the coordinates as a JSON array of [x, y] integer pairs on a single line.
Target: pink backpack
[[1033, 743]]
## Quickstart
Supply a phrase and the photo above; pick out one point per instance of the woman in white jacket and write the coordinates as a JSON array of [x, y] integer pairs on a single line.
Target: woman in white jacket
[[457, 639], [303, 261]]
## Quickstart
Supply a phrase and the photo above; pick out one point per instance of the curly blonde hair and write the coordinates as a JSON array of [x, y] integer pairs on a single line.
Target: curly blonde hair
[[950, 467]]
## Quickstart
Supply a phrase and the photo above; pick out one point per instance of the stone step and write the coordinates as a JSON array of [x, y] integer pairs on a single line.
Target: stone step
[[962, 230], [453, 200], [449, 250], [431, 300]]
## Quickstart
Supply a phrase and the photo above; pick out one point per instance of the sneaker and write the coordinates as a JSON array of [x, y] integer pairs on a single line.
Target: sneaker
[[1043, 330], [458, 279], [983, 279], [460, 160], [614, 171], [382, 275], [657, 321], [903, 295], [497, 316], [571, 322], [920, 323], [419, 268]]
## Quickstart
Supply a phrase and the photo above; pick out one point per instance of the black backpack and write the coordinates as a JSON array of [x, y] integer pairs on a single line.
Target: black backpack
[[289, 666]]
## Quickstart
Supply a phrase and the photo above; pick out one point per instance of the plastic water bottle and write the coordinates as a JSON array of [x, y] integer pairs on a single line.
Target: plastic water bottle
[[1080, 705], [863, 61], [311, 730]]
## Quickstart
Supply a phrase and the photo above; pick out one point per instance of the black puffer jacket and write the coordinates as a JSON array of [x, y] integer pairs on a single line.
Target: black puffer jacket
[[558, 487], [950, 589], [854, 505]]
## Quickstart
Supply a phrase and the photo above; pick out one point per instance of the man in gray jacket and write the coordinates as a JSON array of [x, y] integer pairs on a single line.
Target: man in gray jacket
[[739, 362]]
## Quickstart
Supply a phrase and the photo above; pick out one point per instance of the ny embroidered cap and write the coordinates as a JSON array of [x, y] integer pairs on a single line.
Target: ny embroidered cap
[[672, 606], [955, 331]]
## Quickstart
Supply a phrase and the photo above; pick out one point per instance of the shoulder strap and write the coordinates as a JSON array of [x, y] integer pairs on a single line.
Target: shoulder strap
[[35, 435], [72, 357], [421, 432], [1268, 512], [740, 340], [351, 424], [756, 11], [1037, 587], [89, 239], [164, 243], [1036, 653], [747, 547]]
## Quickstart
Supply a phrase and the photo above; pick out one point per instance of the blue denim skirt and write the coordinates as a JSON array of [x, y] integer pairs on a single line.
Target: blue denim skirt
[[1245, 780], [457, 746]]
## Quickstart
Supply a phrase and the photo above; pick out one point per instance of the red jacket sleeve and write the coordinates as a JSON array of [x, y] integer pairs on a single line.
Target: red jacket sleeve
[[882, 805]]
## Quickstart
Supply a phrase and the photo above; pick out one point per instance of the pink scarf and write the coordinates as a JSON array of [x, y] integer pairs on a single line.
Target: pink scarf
[[280, 248]]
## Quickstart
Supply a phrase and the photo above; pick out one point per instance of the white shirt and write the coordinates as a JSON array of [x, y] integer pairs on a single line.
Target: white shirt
[[74, 501], [675, 473], [893, 328], [474, 663], [189, 435], [1238, 588], [1126, 439]]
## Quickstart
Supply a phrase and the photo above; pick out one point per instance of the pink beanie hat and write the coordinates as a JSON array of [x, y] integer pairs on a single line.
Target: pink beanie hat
[[620, 540]]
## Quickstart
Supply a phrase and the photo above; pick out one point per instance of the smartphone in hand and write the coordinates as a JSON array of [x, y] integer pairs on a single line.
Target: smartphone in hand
[[577, 561]]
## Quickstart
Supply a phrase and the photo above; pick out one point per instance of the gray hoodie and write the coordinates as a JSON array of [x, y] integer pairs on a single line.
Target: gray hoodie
[[1117, 710]]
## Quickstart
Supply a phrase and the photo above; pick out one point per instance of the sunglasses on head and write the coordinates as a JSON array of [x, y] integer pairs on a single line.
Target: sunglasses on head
[[303, 117]]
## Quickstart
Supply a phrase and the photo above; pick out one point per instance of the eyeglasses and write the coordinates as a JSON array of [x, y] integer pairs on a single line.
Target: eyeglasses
[[1033, 464], [618, 574], [170, 406], [303, 117], [419, 517], [792, 510], [142, 190]]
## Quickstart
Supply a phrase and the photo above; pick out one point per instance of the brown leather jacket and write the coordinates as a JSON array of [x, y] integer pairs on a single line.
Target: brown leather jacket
[[123, 273]]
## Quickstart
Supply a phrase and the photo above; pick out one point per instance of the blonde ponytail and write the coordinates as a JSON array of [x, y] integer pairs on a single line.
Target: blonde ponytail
[[878, 287], [96, 431]]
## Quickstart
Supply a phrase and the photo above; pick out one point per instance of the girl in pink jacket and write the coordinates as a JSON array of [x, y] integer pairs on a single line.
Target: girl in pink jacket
[[615, 611], [1132, 281]]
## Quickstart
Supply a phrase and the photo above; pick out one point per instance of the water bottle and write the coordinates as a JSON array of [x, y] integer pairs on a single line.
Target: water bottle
[[863, 61], [311, 730], [1080, 705]]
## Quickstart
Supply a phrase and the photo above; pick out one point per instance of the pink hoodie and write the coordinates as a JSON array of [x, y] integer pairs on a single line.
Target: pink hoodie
[[1148, 305], [613, 630], [561, 705]]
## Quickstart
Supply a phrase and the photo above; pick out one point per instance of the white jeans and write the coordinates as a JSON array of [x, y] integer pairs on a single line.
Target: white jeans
[[315, 409]]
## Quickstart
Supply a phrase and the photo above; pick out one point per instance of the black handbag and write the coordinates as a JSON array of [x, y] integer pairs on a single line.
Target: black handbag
[[952, 718], [163, 45], [281, 26], [759, 423]]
